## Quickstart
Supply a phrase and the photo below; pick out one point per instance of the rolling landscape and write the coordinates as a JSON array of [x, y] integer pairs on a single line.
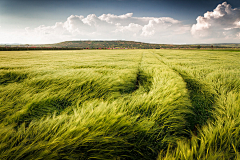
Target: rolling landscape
[[119, 80]]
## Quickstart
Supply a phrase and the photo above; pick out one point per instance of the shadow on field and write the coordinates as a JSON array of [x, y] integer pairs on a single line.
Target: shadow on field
[[144, 80], [11, 77], [138, 80], [202, 99], [37, 110]]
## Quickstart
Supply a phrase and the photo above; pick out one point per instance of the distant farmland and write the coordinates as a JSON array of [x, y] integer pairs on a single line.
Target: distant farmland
[[120, 104]]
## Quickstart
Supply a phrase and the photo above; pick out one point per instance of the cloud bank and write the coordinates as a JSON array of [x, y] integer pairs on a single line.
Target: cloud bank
[[110, 26], [222, 23]]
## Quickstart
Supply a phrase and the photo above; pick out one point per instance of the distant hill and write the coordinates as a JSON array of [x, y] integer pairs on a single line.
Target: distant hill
[[133, 45], [106, 44]]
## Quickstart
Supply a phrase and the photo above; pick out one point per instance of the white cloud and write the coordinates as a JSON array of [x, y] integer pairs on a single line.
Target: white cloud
[[222, 23], [113, 19], [166, 26], [132, 28], [110, 26]]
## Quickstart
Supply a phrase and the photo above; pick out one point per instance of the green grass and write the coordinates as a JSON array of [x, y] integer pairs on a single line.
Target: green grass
[[119, 104]]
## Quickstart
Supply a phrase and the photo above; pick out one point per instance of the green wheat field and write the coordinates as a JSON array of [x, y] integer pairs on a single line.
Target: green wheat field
[[120, 104]]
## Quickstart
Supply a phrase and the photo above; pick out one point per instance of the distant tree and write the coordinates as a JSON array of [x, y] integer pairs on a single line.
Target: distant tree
[[198, 47]]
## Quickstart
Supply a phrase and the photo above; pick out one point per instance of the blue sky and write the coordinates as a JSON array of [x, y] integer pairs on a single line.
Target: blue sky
[[157, 21]]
